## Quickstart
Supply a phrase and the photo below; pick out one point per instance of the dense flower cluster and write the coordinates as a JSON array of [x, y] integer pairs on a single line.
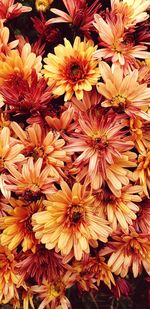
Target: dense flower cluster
[[74, 150]]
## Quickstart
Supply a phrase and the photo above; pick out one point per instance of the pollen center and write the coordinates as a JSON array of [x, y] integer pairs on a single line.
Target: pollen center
[[75, 71]]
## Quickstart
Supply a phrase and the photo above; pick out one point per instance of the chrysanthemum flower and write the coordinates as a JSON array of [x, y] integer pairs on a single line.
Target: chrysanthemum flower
[[123, 93], [43, 5], [8, 276], [142, 222], [40, 265], [5, 47], [121, 209], [142, 173], [53, 293], [24, 97], [132, 12], [33, 179], [10, 150], [9, 10], [92, 271], [140, 129], [15, 65], [100, 140], [128, 251], [17, 228], [80, 15], [48, 33], [48, 146], [112, 35], [69, 221], [72, 68]]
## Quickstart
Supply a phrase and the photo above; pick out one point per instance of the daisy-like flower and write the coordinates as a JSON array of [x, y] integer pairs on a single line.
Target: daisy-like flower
[[8, 276], [72, 68], [40, 265], [5, 47], [142, 223], [123, 93], [79, 15], [93, 270], [9, 9], [128, 251], [132, 12], [53, 293], [113, 39], [24, 97], [10, 150], [16, 65], [100, 140], [48, 146], [17, 228], [32, 180], [43, 5], [142, 173], [69, 221], [121, 209]]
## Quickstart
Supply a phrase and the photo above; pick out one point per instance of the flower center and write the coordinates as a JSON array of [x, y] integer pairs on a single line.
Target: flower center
[[75, 71], [74, 215], [119, 100]]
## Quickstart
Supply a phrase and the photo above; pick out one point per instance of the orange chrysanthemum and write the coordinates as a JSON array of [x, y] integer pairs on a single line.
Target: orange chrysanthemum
[[123, 93], [10, 154], [92, 271], [140, 129], [19, 65], [142, 173], [121, 209], [32, 180], [8, 276], [53, 293], [128, 251], [70, 222], [16, 226], [72, 68], [46, 145]]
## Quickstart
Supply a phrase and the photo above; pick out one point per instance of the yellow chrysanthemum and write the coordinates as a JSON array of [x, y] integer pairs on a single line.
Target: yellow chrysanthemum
[[43, 5], [69, 222], [72, 68]]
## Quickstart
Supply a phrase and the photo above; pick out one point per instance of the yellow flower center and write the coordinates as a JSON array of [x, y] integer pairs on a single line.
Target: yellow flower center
[[119, 100]]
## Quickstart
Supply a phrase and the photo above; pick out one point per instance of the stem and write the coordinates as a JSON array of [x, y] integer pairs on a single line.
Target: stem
[[94, 301]]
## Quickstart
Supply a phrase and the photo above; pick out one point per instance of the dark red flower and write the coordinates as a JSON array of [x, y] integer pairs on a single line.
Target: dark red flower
[[23, 97], [48, 33], [42, 265]]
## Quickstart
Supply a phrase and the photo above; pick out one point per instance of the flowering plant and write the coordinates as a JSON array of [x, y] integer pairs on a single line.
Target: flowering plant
[[74, 153]]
